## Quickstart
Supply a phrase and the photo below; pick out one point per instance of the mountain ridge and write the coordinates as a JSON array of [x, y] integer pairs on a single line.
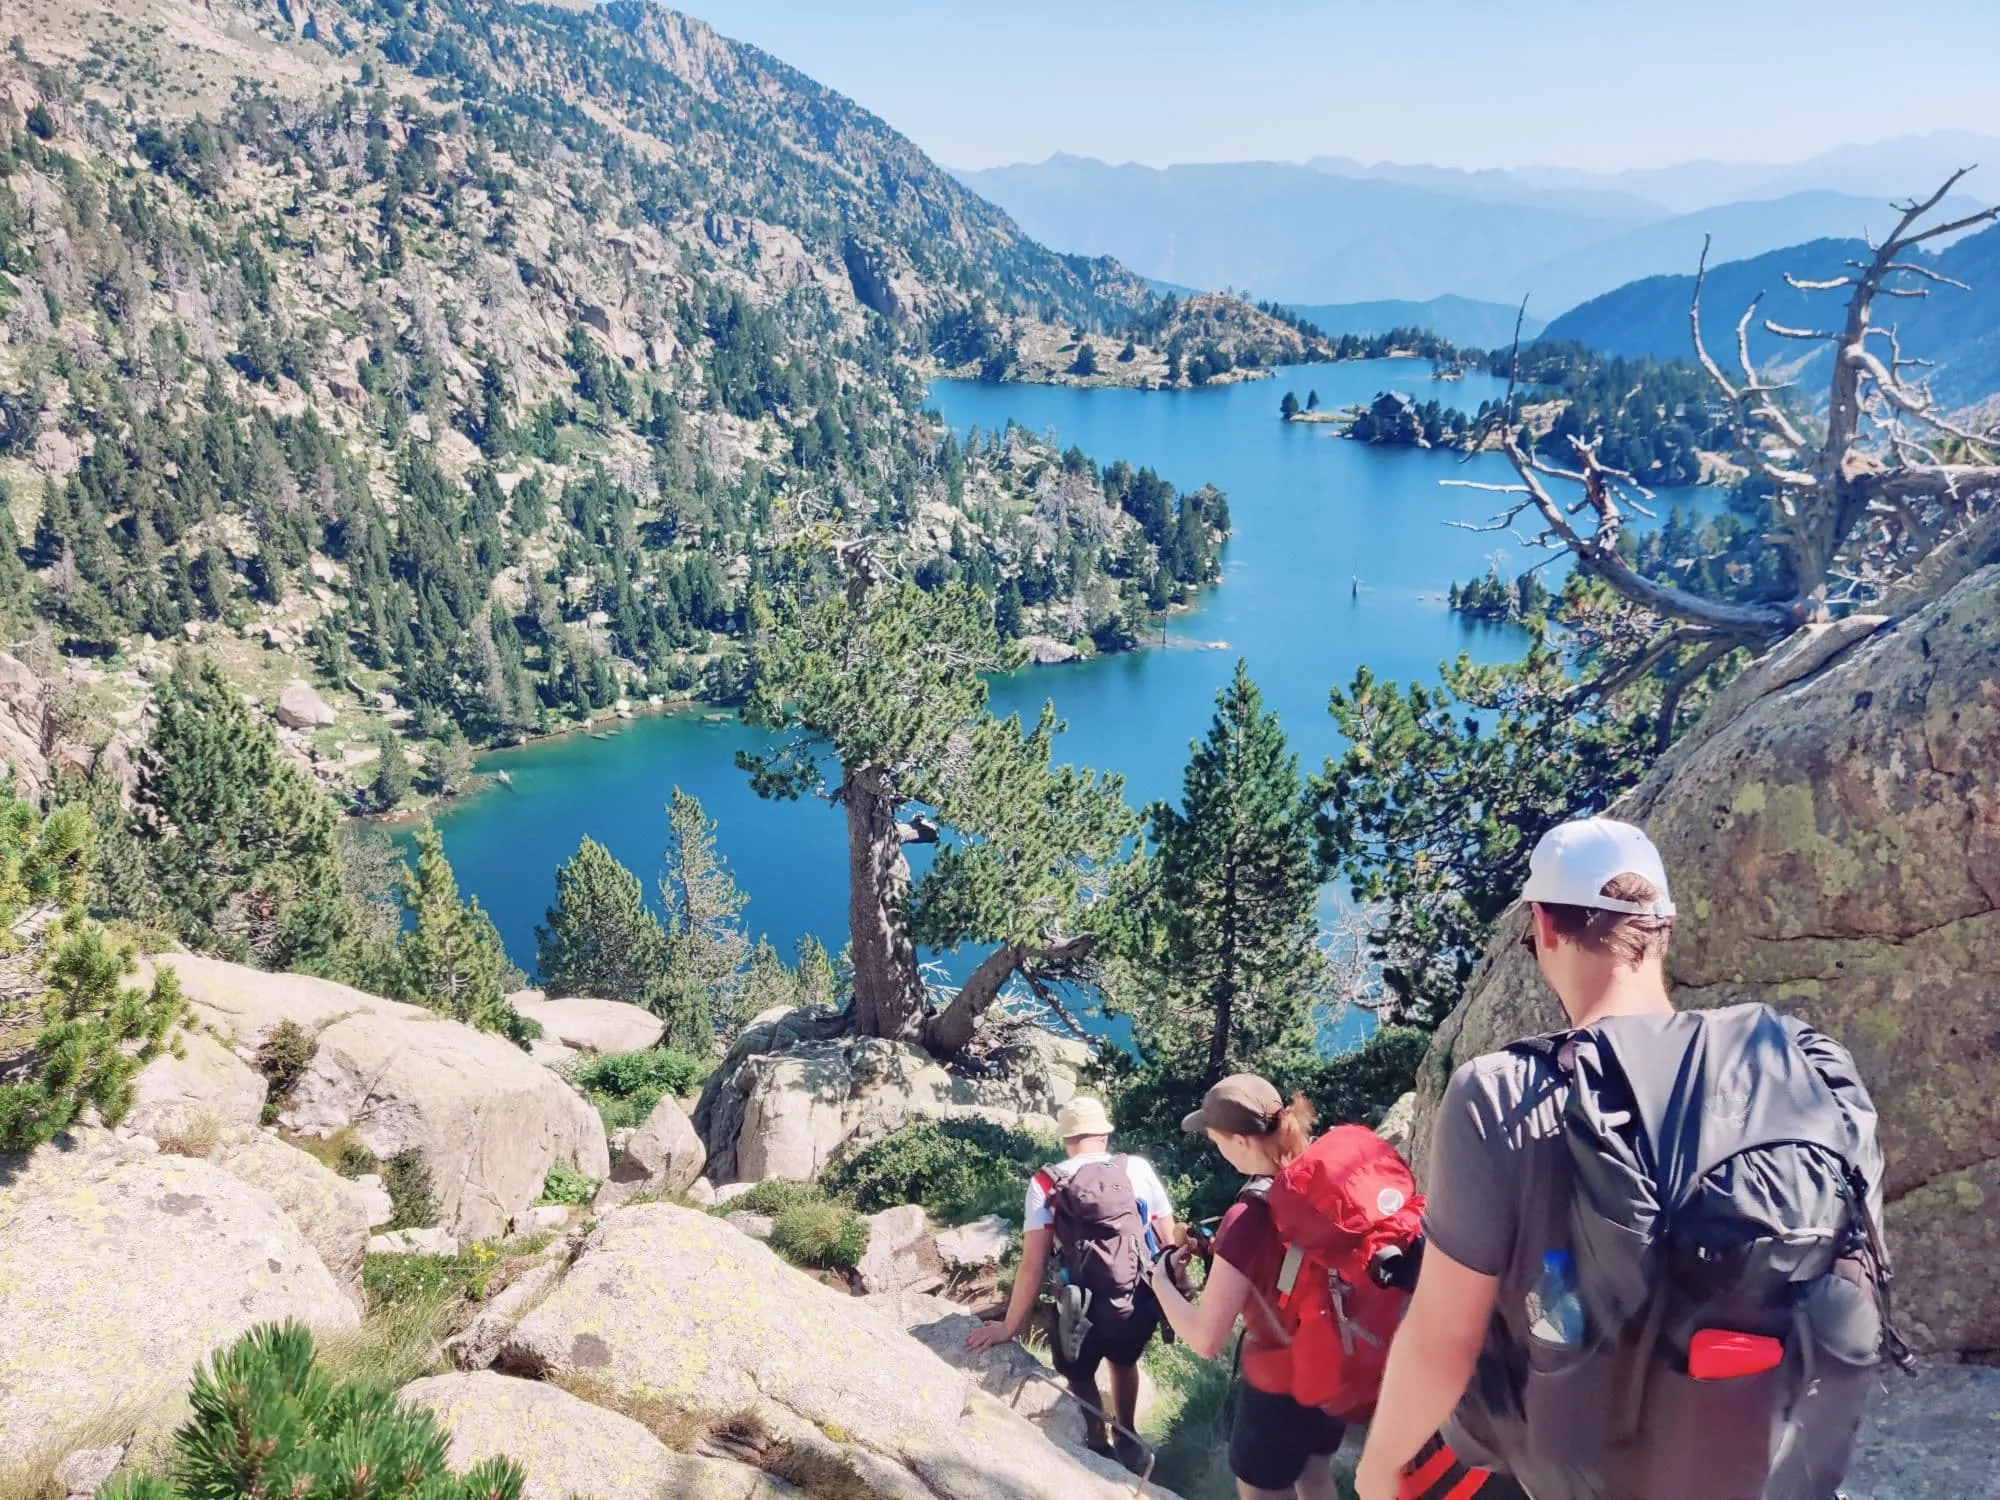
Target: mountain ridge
[[1312, 234]]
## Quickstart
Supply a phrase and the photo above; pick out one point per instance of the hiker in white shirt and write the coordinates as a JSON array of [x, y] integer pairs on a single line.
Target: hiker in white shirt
[[1100, 1218]]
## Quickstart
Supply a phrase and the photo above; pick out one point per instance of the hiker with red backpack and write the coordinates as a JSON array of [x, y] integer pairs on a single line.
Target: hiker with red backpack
[[1654, 1268], [1092, 1223], [1309, 1257]]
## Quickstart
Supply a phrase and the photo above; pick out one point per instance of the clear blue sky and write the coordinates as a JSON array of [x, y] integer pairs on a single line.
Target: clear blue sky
[[1600, 84]]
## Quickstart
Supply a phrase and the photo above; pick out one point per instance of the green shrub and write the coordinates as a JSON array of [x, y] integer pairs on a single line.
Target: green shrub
[[957, 1169], [1359, 1086], [407, 1177], [355, 1160], [824, 1236], [1189, 1424], [773, 1196], [268, 1421], [286, 1053], [626, 1085], [567, 1186]]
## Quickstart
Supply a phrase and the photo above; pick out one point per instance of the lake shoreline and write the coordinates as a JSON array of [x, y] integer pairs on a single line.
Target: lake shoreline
[[1307, 514]]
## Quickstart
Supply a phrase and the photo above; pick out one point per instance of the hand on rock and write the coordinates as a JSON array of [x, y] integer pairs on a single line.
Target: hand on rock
[[986, 1335]]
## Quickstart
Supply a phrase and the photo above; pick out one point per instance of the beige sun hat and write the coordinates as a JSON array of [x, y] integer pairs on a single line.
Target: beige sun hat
[[1083, 1115]]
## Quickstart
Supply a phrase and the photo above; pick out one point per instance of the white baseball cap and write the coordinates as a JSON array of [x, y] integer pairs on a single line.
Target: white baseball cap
[[1575, 861]]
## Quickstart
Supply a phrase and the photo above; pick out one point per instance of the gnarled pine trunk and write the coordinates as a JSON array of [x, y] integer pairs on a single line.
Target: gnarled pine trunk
[[888, 991]]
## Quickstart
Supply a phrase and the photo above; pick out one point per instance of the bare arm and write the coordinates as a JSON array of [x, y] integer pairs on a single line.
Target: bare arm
[[1027, 1286], [1430, 1365], [1203, 1326]]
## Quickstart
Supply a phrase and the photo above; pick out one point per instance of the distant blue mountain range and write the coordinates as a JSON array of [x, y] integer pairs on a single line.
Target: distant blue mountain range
[[1465, 321], [1332, 232]]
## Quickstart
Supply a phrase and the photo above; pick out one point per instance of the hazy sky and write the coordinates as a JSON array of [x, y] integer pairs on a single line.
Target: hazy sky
[[1601, 84]]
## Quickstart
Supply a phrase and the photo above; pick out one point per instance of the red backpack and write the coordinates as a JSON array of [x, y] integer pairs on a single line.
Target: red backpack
[[1349, 1198]]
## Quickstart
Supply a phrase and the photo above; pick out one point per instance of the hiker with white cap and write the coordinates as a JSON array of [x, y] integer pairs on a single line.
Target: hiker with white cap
[[1099, 1218], [1653, 1262]]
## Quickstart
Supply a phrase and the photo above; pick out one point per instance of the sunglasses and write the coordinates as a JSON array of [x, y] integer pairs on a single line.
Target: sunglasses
[[1528, 934]]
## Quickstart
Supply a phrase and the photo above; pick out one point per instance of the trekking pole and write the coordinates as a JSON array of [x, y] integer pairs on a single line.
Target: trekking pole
[[1062, 1388]]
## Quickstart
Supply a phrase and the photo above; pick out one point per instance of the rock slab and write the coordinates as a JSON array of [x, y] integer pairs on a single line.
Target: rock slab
[[301, 707], [566, 1446], [900, 1251], [121, 1270], [1832, 830], [794, 1094], [677, 1304], [587, 1025], [664, 1155], [489, 1121], [1931, 1438], [172, 1094], [327, 1209]]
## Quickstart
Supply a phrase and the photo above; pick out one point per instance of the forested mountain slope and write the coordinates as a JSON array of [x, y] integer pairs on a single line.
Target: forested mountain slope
[[491, 361], [1957, 328]]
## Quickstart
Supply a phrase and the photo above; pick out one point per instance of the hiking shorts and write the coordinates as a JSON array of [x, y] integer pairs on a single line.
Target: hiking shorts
[[1121, 1342], [1272, 1437]]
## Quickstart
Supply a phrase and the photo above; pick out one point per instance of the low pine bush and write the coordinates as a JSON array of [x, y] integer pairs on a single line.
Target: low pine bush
[[821, 1236], [267, 1420], [958, 1170]]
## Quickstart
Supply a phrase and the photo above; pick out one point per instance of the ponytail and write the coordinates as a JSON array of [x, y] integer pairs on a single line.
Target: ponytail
[[1291, 1134]]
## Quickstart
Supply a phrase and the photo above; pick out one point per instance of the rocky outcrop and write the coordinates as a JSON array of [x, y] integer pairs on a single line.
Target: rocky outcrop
[[587, 1025], [900, 1253], [566, 1446], [301, 707], [489, 1121], [33, 741], [795, 1094], [676, 1304], [1931, 1438], [664, 1155], [1832, 829], [173, 1095], [121, 1269], [328, 1210], [1007, 1372]]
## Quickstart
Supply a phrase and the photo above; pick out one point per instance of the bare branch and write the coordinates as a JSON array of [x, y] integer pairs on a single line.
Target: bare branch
[[1814, 335], [1819, 286]]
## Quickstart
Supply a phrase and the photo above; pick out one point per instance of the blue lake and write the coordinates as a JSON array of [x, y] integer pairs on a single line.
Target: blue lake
[[1341, 556]]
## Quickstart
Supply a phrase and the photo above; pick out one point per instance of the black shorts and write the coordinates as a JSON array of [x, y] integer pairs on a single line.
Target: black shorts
[[1273, 1436], [1121, 1341]]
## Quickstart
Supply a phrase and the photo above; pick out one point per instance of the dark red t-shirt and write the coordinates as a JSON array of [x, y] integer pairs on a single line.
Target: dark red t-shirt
[[1248, 1240]]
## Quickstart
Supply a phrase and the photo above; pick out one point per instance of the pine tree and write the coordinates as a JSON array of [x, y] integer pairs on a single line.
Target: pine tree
[[392, 772], [890, 677], [706, 945], [238, 841], [1289, 407], [1226, 959], [450, 957], [601, 938], [447, 766]]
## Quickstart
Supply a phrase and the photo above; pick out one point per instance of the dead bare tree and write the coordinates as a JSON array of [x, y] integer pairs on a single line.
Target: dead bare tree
[[1885, 504]]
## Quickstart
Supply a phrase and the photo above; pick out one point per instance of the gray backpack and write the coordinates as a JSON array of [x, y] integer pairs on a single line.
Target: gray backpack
[[1725, 1185]]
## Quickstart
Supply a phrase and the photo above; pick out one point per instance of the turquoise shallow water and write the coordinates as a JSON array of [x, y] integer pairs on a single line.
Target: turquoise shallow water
[[1341, 555]]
